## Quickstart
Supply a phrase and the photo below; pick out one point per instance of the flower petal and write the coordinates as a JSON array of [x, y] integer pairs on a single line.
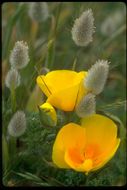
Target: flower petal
[[43, 86], [58, 80], [69, 136], [100, 130], [109, 155], [65, 99]]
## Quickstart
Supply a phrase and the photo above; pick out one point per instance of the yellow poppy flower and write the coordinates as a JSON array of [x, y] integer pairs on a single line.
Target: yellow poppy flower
[[63, 88], [87, 147]]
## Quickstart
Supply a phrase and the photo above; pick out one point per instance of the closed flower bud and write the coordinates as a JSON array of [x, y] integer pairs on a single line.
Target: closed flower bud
[[83, 28], [97, 76], [38, 11], [17, 125], [19, 57], [48, 115], [12, 79], [86, 106]]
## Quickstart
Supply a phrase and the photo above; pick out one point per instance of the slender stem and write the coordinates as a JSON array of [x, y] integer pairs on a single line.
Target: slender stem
[[13, 99], [50, 55], [74, 64], [89, 177], [79, 51], [51, 50], [57, 19], [34, 31]]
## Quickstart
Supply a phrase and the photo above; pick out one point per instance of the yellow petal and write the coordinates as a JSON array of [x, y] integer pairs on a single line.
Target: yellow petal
[[43, 86], [61, 79], [107, 157], [87, 165], [82, 91], [71, 135], [100, 130], [65, 99], [63, 88]]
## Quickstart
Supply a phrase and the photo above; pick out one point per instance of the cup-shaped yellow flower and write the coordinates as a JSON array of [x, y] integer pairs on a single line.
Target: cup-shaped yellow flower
[[87, 147], [63, 88]]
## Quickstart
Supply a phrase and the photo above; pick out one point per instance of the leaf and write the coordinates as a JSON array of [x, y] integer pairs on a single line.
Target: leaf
[[29, 176], [51, 164], [43, 184], [50, 54]]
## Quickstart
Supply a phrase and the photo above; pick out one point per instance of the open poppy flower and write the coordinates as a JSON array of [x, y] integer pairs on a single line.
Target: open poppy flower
[[87, 147], [63, 88]]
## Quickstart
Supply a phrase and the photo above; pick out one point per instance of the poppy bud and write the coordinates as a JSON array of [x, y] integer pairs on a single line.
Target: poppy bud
[[48, 115]]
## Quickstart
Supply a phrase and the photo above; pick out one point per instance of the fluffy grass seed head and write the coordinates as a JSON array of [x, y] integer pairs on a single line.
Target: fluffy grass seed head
[[86, 106], [12, 79], [97, 76], [19, 56], [17, 125], [38, 11], [83, 28]]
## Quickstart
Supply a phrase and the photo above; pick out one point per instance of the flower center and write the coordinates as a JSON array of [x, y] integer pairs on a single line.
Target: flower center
[[76, 156], [83, 160], [92, 151], [87, 165]]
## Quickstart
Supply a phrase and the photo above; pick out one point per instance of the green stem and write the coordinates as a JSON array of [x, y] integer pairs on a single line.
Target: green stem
[[90, 177], [51, 49], [57, 19], [50, 55], [13, 99]]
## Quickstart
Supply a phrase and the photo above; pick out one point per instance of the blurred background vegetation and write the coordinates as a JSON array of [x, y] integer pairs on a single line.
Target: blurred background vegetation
[[51, 45]]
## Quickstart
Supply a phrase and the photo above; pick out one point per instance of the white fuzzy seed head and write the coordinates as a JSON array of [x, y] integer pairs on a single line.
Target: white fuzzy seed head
[[97, 76], [83, 28], [12, 79], [38, 11], [86, 106], [17, 125], [19, 56]]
